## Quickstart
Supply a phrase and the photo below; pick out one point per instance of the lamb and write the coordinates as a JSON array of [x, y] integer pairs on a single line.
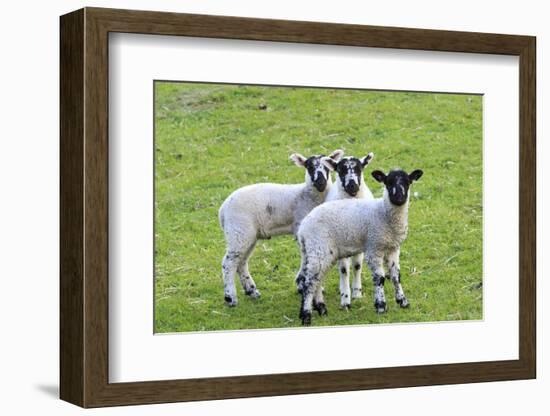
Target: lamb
[[351, 184], [263, 210], [339, 229]]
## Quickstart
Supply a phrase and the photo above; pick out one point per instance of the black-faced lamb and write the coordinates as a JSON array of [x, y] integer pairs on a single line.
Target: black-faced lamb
[[264, 210], [349, 184], [344, 228]]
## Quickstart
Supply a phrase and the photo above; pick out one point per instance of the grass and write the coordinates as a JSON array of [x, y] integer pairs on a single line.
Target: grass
[[211, 139]]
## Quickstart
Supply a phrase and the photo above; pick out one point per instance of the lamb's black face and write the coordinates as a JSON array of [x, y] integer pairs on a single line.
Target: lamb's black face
[[350, 170], [397, 184], [317, 172]]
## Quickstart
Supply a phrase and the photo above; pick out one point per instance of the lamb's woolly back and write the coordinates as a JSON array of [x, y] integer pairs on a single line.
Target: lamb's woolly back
[[271, 208], [349, 226]]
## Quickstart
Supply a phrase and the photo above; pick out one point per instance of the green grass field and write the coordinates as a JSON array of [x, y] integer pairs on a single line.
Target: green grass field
[[213, 139]]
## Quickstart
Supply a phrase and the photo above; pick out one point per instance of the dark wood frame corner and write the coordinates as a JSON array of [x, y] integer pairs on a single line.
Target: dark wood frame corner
[[84, 207]]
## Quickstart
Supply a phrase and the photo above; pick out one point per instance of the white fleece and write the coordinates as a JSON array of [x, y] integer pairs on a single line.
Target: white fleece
[[344, 228], [261, 211]]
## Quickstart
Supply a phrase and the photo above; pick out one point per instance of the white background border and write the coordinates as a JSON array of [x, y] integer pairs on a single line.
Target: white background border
[[136, 354]]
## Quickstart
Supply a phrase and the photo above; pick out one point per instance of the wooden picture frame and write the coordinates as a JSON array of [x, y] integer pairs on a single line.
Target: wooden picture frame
[[84, 207]]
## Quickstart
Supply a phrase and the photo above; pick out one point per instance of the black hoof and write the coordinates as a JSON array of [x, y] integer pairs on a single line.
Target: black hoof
[[253, 293], [229, 301], [403, 303], [305, 317], [380, 307], [321, 308]]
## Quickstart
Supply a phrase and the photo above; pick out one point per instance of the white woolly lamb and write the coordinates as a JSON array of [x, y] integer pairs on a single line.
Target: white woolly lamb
[[349, 184], [344, 228], [263, 210]]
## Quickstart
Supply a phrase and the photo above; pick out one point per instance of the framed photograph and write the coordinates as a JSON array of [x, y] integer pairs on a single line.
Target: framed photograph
[[254, 207]]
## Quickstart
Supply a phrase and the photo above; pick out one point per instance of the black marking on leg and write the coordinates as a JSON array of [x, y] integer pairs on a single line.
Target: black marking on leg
[[321, 308], [343, 270], [232, 255], [300, 280], [227, 299], [398, 276], [378, 280], [304, 255], [251, 290], [302, 301], [305, 316], [357, 266]]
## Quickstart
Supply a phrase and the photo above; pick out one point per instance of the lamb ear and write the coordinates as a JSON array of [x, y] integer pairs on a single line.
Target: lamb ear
[[336, 155], [379, 176], [415, 175], [298, 159], [329, 163], [367, 159]]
